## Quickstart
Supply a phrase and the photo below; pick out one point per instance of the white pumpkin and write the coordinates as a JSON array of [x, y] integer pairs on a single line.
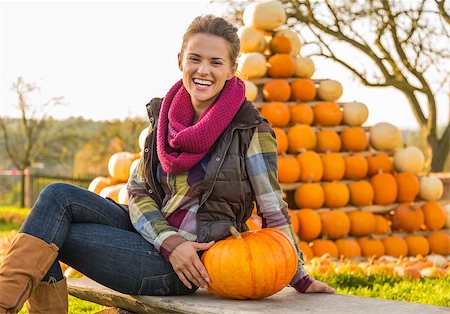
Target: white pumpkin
[[354, 113], [410, 159], [134, 165], [329, 90], [251, 40], [123, 195], [251, 65], [447, 216], [265, 14], [142, 137], [304, 67], [438, 260], [385, 137], [119, 165], [431, 188], [293, 38], [251, 90]]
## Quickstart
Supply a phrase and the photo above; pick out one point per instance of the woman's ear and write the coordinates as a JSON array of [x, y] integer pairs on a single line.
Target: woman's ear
[[180, 62], [233, 72]]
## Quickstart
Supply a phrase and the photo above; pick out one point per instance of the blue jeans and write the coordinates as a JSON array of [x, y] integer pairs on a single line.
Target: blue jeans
[[96, 237]]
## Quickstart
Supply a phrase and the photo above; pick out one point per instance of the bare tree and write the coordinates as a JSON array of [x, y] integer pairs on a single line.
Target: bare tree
[[35, 136], [403, 44]]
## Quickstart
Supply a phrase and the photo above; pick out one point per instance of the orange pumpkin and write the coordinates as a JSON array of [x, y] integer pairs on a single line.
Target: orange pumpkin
[[335, 224], [280, 44], [348, 248], [354, 139], [98, 183], [302, 114], [281, 65], [328, 141], [356, 167], [322, 247], [382, 225], [408, 217], [384, 188], [288, 169], [253, 223], [276, 90], [267, 248], [439, 242], [303, 89], [308, 253], [336, 194], [371, 247], [301, 137], [362, 222], [417, 245], [361, 193], [379, 163], [434, 215], [311, 166], [408, 186], [294, 220], [309, 195], [112, 191], [327, 114], [395, 246], [310, 224], [277, 113], [282, 140], [333, 166]]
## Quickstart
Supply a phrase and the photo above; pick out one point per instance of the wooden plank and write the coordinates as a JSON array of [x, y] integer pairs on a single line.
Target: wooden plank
[[286, 301]]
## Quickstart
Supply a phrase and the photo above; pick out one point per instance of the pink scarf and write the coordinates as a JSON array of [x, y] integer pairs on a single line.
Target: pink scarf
[[181, 145]]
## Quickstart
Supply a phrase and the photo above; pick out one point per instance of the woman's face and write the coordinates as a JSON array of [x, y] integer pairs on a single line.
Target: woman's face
[[206, 66]]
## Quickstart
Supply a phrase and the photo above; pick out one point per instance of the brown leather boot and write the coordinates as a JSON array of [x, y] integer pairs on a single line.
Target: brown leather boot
[[49, 298], [26, 263]]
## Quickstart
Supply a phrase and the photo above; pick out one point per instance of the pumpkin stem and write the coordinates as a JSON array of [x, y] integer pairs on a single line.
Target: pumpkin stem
[[235, 233]]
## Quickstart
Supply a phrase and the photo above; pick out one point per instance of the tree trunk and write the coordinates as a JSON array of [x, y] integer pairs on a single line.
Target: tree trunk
[[440, 150]]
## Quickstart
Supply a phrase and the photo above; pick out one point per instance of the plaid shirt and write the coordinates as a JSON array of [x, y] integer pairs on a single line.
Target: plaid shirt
[[176, 221]]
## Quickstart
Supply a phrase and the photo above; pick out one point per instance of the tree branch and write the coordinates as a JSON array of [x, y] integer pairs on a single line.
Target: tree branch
[[441, 8]]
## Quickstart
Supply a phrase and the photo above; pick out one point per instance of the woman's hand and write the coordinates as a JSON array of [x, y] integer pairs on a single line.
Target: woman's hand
[[319, 286], [187, 264]]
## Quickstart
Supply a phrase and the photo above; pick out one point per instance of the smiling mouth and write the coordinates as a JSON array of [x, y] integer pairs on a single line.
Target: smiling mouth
[[202, 82]]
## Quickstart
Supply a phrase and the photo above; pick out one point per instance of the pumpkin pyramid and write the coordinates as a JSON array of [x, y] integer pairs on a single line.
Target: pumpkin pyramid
[[353, 190]]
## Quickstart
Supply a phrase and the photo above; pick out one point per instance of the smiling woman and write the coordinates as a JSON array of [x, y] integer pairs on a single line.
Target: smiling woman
[[208, 157]]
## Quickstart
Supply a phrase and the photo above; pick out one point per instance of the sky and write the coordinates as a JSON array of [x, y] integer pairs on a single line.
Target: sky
[[109, 58]]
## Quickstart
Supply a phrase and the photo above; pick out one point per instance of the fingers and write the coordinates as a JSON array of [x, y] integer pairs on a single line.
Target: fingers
[[183, 278], [203, 246]]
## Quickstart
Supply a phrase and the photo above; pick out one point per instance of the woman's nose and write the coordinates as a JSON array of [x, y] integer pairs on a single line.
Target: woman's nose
[[203, 69]]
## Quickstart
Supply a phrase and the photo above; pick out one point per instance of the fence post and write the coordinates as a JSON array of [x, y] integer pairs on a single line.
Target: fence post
[[27, 190]]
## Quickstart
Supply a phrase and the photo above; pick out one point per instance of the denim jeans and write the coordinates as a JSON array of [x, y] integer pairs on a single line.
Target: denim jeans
[[96, 237]]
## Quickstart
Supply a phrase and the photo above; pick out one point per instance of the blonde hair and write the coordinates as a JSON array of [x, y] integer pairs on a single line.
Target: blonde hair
[[217, 26]]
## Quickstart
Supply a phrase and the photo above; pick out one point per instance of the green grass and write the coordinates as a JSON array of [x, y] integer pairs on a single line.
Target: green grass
[[435, 291]]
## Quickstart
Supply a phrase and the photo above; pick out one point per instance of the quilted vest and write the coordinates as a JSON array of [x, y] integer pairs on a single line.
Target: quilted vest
[[226, 196]]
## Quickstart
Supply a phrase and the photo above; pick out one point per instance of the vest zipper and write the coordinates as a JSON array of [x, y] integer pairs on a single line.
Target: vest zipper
[[154, 189], [221, 162]]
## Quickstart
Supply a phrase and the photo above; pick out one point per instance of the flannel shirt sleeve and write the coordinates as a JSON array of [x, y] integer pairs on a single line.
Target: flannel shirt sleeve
[[262, 166], [147, 218]]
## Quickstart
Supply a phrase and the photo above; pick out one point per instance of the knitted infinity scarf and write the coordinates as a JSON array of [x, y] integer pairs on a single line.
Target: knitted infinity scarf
[[181, 145]]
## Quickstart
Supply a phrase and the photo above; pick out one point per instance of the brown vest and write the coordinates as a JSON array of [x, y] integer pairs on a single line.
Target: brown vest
[[227, 197]]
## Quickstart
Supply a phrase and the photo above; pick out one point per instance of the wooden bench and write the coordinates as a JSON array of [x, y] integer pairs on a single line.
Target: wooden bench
[[286, 301]]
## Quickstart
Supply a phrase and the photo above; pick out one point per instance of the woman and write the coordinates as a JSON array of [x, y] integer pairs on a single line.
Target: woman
[[208, 157]]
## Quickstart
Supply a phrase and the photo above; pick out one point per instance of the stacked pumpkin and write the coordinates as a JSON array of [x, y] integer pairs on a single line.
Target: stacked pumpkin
[[355, 188], [120, 166]]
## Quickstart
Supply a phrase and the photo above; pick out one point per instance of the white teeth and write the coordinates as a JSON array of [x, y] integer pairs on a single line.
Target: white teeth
[[202, 82]]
